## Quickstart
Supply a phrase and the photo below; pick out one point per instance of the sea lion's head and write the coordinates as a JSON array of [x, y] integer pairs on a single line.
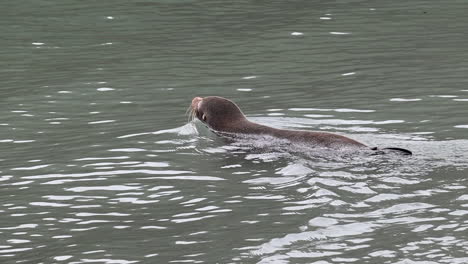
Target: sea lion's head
[[216, 112]]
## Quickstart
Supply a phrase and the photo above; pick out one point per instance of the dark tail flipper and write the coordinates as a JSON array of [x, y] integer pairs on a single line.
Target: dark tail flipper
[[400, 151]]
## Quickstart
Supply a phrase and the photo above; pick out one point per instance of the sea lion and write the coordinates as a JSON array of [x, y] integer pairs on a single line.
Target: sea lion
[[225, 117]]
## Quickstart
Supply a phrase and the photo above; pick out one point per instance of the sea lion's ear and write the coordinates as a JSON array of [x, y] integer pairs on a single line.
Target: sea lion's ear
[[204, 117]]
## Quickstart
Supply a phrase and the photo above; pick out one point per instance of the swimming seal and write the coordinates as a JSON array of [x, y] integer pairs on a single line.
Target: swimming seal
[[224, 116]]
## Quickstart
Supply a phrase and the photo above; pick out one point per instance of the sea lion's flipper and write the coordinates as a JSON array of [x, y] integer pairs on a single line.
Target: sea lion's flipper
[[399, 151], [402, 151]]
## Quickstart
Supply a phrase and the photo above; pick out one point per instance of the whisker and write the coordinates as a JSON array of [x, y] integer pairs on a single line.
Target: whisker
[[192, 115], [188, 112], [189, 116], [189, 109]]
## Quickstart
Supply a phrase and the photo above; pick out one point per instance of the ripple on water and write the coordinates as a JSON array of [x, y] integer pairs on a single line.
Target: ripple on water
[[284, 204], [405, 99], [378, 195]]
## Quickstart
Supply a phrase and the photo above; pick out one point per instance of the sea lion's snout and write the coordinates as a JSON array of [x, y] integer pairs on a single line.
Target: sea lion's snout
[[196, 103]]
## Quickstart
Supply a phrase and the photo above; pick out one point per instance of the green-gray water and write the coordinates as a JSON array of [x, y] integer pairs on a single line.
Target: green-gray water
[[99, 165]]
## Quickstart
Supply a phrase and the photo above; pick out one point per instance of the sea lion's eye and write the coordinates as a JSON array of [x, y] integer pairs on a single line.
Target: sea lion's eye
[[204, 117]]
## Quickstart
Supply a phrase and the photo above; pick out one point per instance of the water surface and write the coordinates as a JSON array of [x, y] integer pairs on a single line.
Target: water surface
[[99, 164]]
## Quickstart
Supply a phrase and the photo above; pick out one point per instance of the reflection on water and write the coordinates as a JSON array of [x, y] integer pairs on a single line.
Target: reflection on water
[[97, 165]]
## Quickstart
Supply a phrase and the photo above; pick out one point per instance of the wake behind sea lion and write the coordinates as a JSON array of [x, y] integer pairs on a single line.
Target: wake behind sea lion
[[225, 117]]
